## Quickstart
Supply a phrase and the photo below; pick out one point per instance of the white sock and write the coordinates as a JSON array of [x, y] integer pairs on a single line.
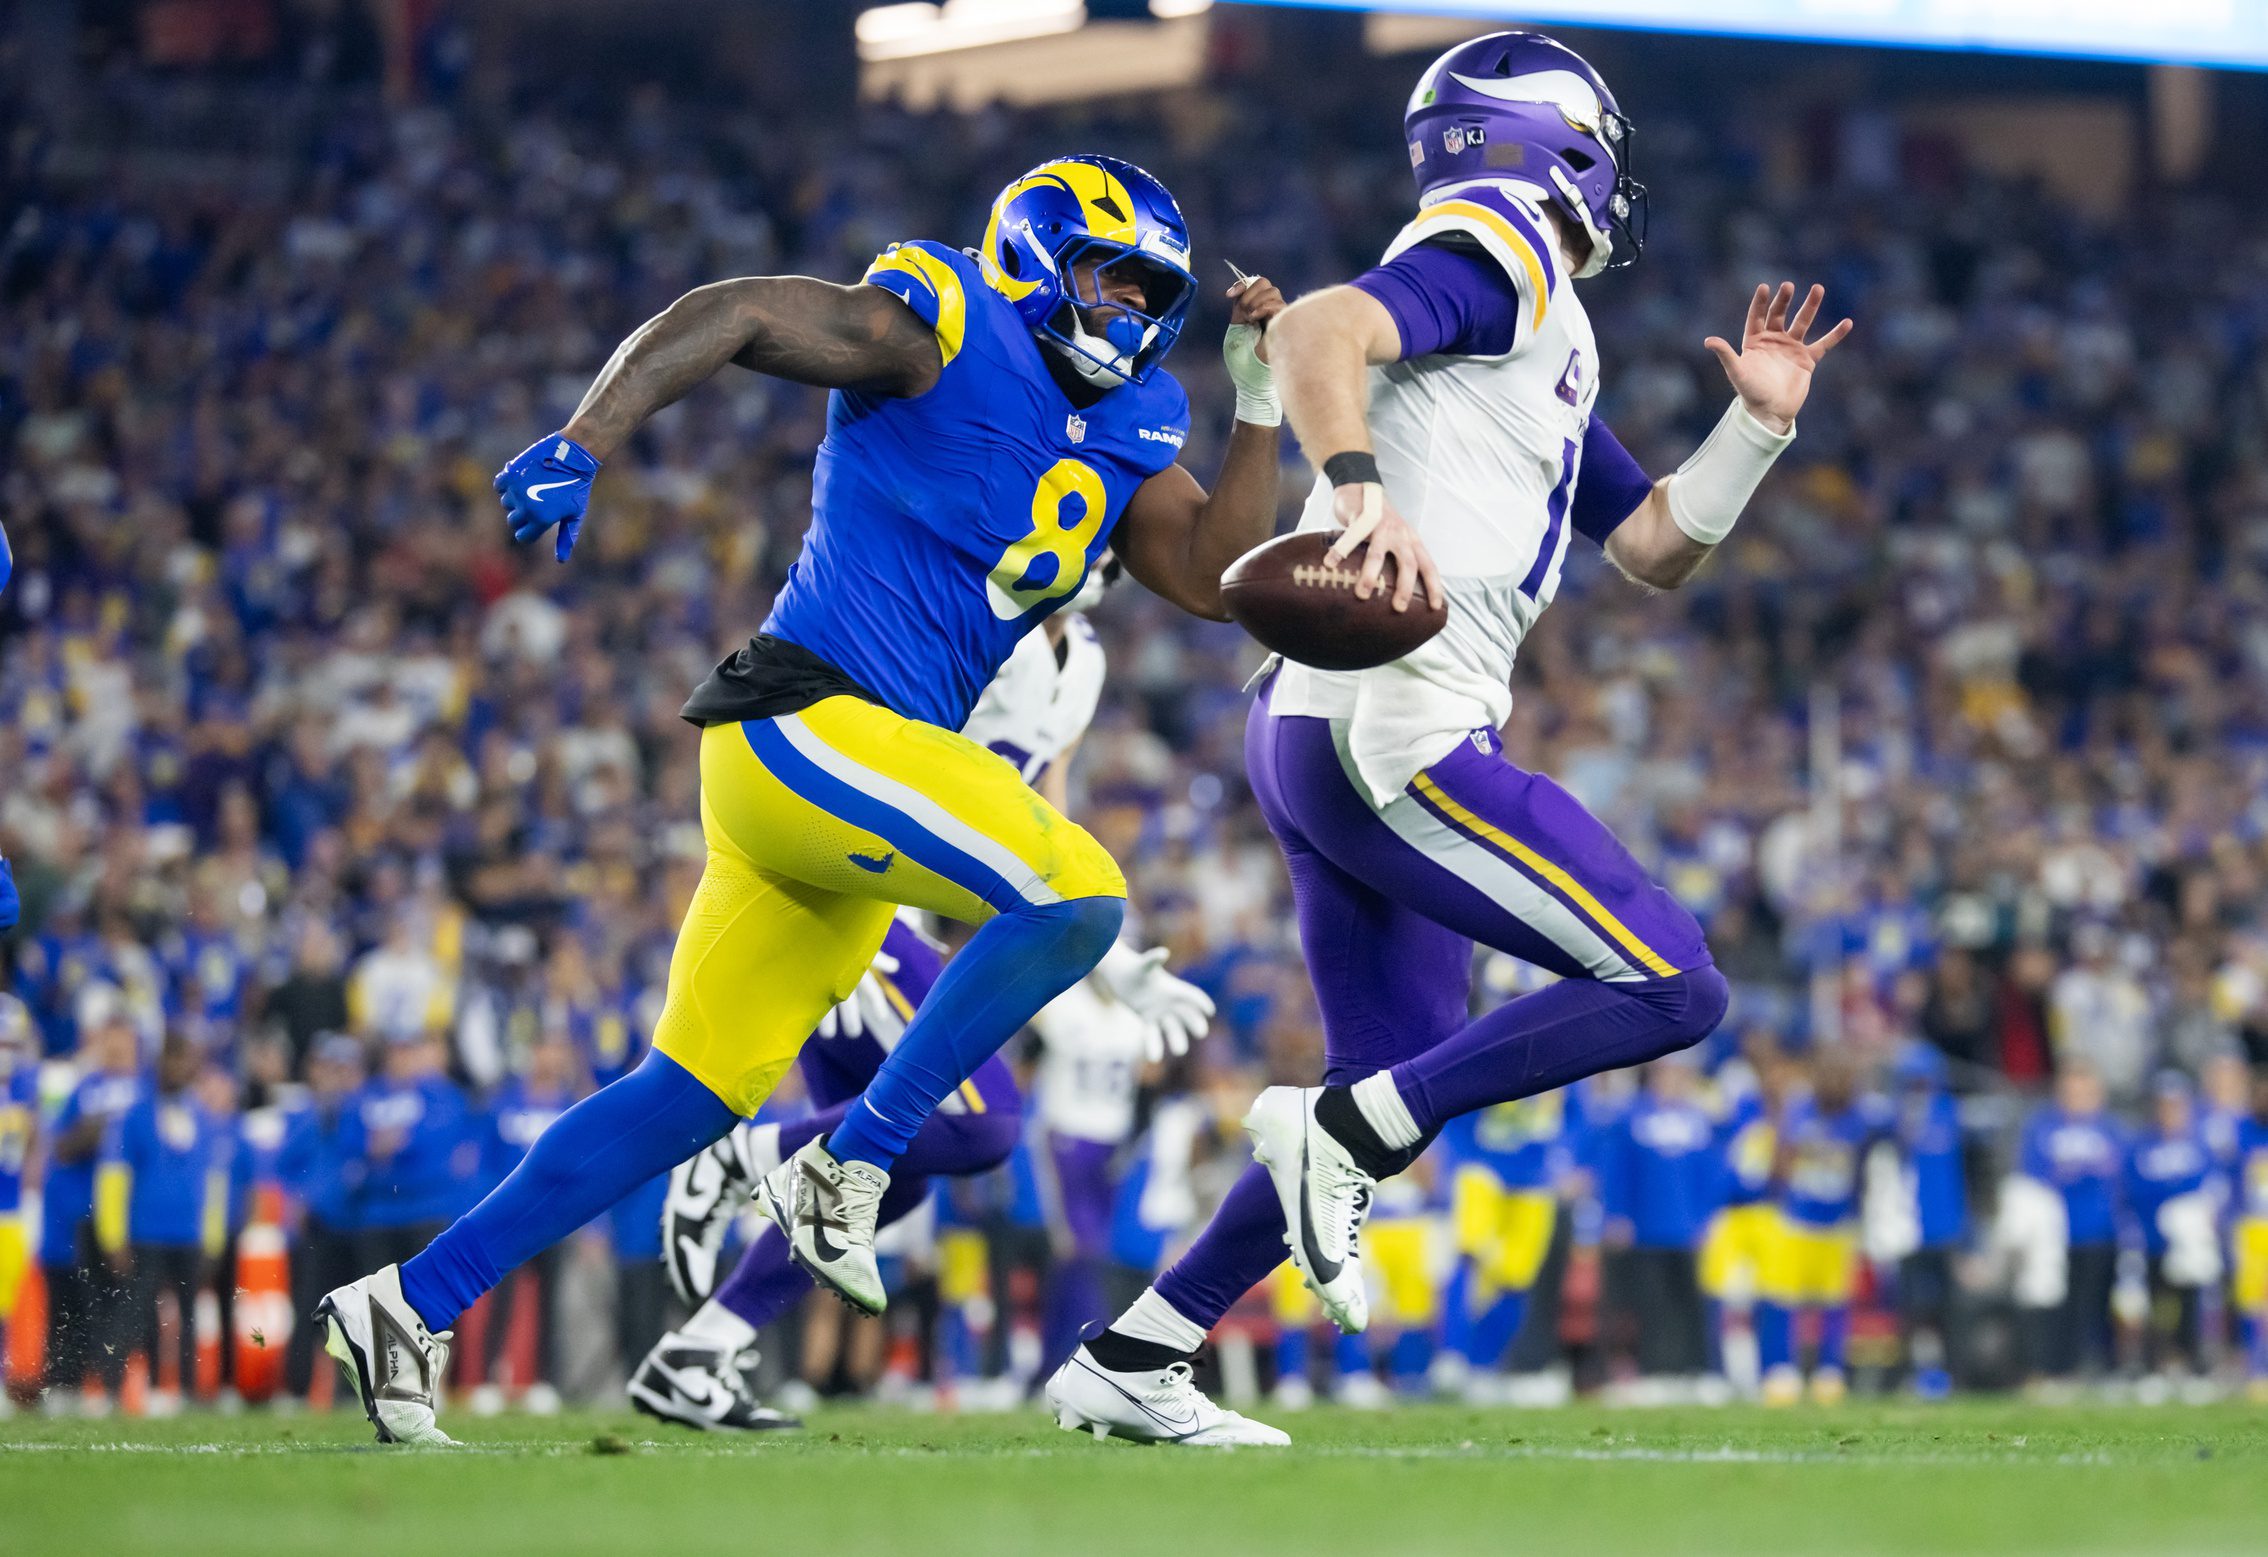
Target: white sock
[[758, 1146], [1381, 1103], [720, 1326], [1151, 1318]]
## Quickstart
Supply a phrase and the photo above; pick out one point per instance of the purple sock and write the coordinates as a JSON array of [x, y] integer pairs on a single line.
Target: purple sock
[[1239, 1246], [1558, 1035]]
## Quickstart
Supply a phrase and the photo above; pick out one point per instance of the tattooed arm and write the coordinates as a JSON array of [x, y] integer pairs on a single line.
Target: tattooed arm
[[792, 327]]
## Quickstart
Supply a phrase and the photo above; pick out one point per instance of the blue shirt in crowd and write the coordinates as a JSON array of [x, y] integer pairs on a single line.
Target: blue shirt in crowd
[[2159, 1167], [2080, 1155], [1658, 1172], [420, 1148], [180, 1158], [67, 1196], [1929, 1134]]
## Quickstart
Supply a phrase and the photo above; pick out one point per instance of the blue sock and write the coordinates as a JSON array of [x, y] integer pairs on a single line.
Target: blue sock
[[594, 1154], [1834, 1334], [1497, 1328], [1457, 1312], [1291, 1354], [1409, 1357], [1775, 1335], [1011, 967], [1350, 1355]]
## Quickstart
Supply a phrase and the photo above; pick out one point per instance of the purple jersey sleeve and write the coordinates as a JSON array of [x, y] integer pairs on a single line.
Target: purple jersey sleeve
[[1611, 488], [1446, 301]]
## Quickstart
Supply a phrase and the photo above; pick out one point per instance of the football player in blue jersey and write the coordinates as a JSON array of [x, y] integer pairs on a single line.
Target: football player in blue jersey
[[998, 419], [1812, 1259]]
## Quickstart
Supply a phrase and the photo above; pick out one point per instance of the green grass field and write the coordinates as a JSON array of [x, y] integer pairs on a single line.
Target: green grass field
[[1974, 1477]]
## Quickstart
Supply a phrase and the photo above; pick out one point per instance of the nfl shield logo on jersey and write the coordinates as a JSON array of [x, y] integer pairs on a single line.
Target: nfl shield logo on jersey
[[1076, 428]]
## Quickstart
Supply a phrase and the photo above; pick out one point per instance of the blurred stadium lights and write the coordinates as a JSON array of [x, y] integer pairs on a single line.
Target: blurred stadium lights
[[914, 27], [965, 53]]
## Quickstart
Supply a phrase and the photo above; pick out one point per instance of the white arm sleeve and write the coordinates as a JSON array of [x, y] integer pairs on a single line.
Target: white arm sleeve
[[1709, 490]]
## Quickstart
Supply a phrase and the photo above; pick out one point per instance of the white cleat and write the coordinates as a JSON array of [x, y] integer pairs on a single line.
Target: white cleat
[[706, 1191], [699, 1384], [1325, 1197], [1160, 1406], [394, 1363], [828, 1210]]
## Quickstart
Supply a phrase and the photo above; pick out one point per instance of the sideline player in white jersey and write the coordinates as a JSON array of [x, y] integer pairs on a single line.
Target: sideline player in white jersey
[[1034, 714], [1448, 394]]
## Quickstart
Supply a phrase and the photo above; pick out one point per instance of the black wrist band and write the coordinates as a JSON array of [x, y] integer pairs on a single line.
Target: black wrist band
[[1352, 468]]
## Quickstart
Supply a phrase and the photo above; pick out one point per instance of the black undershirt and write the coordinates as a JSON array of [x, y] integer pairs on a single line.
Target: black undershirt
[[769, 677]]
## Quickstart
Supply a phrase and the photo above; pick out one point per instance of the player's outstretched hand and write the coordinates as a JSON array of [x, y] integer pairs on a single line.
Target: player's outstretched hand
[[1175, 1013], [1364, 514], [548, 483], [1772, 370]]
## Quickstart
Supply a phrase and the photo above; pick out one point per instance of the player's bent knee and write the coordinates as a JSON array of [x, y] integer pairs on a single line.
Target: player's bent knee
[[1707, 996], [1086, 927]]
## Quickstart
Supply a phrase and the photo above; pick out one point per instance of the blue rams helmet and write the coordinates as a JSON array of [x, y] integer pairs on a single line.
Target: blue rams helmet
[[1106, 213], [1520, 105]]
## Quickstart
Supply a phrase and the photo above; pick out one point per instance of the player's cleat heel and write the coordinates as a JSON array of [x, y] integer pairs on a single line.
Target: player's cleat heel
[[394, 1364]]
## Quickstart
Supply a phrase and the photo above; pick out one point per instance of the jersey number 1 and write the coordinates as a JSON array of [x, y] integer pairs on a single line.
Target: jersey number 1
[[1053, 535]]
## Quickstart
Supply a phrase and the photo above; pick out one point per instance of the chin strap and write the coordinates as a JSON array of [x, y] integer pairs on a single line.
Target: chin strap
[[1098, 359]]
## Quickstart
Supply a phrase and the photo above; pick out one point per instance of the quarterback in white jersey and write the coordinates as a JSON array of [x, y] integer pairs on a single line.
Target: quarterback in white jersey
[[1449, 395]]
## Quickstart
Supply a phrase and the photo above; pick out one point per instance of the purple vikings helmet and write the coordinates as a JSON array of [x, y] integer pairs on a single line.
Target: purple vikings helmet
[[1519, 105]]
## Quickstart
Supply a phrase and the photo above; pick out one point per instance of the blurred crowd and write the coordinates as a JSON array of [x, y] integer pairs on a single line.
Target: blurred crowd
[[352, 840]]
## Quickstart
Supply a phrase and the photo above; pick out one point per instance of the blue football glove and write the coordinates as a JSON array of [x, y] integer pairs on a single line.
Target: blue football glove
[[548, 483], [11, 906]]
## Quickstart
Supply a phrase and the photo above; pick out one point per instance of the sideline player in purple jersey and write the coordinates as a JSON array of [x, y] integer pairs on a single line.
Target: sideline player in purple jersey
[[1447, 395]]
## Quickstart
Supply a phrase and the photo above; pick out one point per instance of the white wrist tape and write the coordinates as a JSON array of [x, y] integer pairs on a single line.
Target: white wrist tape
[[1255, 381], [1710, 489]]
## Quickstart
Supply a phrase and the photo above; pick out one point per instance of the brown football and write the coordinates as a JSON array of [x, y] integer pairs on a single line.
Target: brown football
[[1287, 595]]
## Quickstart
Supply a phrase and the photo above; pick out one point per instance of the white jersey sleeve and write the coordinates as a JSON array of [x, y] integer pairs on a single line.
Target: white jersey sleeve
[[1043, 698]]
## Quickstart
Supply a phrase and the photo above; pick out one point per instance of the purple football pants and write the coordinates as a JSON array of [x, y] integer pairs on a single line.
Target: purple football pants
[[1078, 1191], [1391, 901]]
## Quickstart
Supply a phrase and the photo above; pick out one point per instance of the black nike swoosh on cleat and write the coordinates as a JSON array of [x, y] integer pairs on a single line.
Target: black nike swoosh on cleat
[[823, 1246], [1180, 1429], [1325, 1270]]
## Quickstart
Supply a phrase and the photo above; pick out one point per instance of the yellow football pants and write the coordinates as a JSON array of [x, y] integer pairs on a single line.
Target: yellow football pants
[[1805, 1265], [1506, 1233], [819, 824]]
